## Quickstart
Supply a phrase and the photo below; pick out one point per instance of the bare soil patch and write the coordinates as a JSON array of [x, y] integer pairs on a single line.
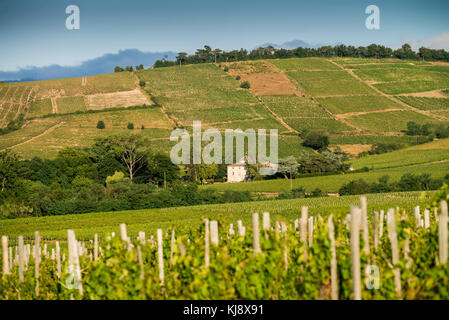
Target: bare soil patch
[[117, 100], [264, 84], [353, 149], [427, 94]]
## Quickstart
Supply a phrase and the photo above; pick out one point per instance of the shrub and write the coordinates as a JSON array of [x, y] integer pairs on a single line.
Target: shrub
[[245, 85], [142, 83], [130, 126], [100, 125], [316, 140], [143, 127], [237, 78], [226, 69]]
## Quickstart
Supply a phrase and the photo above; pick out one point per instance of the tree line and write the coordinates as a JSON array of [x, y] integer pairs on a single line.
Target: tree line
[[209, 55]]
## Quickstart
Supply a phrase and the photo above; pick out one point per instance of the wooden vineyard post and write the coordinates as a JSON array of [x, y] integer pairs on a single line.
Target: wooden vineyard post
[[375, 230], [37, 259], [426, 219], [435, 212], [355, 252], [310, 231], [381, 224], [21, 259], [95, 247], [160, 256], [139, 257], [256, 243], [364, 207], [231, 230], [74, 263], [5, 260], [442, 233], [172, 246], [408, 263], [58, 260], [214, 232], [417, 216], [241, 228], [334, 280], [394, 250], [266, 221], [303, 234]]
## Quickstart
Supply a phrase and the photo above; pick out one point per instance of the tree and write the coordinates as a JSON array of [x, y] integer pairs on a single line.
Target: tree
[[118, 69], [245, 85], [181, 57], [117, 177], [288, 166], [100, 125], [316, 140], [130, 148], [10, 171], [160, 170], [216, 53], [72, 162], [130, 126]]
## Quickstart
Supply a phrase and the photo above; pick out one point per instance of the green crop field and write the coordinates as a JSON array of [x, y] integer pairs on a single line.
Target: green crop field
[[39, 108], [390, 121], [347, 104], [303, 64], [121, 81], [80, 130], [71, 104], [332, 183], [322, 83], [399, 87], [399, 74], [186, 218], [294, 106], [326, 125], [429, 152], [349, 61], [425, 103], [195, 87], [371, 139]]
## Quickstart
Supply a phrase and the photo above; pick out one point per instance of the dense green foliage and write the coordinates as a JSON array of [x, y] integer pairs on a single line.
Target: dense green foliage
[[207, 55], [286, 267]]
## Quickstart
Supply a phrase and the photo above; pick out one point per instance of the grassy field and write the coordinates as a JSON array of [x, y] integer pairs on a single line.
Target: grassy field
[[327, 125], [303, 64], [316, 87], [71, 104], [294, 106], [425, 103], [425, 153], [332, 183], [202, 86], [391, 121], [338, 105], [323, 83], [80, 130], [40, 108], [185, 218]]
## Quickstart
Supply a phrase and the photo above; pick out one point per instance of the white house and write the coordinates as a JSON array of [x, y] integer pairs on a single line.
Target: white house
[[238, 172]]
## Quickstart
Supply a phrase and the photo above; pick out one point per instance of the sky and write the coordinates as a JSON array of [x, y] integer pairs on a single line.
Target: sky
[[33, 33]]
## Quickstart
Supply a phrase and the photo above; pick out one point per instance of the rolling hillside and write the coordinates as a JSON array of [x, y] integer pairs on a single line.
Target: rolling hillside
[[357, 101]]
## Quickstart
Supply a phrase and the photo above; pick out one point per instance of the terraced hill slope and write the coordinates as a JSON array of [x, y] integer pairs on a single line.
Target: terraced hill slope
[[357, 101]]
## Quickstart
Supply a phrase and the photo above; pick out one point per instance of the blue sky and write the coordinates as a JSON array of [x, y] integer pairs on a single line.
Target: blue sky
[[33, 32]]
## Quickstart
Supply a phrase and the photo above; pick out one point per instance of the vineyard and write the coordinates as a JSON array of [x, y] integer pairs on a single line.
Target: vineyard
[[356, 254]]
